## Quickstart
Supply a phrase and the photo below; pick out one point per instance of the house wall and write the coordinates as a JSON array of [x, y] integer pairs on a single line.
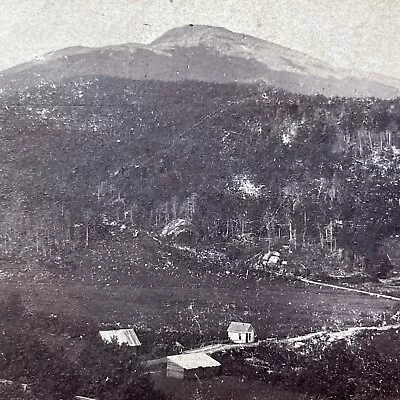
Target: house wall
[[175, 371], [202, 373], [241, 337]]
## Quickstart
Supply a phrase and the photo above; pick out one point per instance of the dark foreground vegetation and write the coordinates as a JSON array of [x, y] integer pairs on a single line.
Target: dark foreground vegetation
[[361, 367], [14, 392], [32, 354]]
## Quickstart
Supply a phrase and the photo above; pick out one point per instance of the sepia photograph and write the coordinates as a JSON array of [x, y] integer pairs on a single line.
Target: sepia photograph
[[200, 200]]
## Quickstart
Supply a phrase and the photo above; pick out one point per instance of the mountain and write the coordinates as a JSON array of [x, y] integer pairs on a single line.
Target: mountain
[[87, 153], [202, 53]]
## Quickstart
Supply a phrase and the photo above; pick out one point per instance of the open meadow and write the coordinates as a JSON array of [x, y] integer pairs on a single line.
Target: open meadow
[[200, 303]]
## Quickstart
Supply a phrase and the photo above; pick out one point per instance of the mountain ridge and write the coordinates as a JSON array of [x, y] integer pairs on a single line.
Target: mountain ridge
[[203, 53]]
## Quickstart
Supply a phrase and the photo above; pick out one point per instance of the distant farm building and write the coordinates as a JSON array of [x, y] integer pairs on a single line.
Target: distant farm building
[[192, 366], [121, 337], [269, 261], [240, 332]]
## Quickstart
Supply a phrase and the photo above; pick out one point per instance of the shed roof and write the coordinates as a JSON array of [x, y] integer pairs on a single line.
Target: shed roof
[[122, 336], [239, 327], [84, 398], [193, 361]]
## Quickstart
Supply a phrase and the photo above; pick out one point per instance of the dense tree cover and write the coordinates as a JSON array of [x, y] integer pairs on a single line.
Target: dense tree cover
[[84, 156], [113, 373]]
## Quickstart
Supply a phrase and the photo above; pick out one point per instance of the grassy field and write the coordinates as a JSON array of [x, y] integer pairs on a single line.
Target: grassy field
[[194, 302]]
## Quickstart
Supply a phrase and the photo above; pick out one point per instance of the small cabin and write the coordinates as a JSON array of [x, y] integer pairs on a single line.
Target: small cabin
[[122, 337], [240, 332], [192, 366]]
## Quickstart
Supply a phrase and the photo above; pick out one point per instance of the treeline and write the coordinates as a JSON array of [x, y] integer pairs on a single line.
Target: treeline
[[232, 160]]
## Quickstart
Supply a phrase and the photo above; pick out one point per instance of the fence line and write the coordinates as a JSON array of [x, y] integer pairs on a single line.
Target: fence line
[[385, 296]]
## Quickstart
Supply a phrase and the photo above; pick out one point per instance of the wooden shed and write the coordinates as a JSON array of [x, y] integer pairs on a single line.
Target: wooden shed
[[240, 332], [84, 398], [121, 336], [192, 366]]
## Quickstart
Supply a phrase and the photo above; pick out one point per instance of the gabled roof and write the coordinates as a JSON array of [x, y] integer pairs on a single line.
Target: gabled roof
[[122, 336], [193, 361], [240, 327]]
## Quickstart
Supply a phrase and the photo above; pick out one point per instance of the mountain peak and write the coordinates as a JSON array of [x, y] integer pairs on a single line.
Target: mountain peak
[[203, 53], [190, 35], [191, 30]]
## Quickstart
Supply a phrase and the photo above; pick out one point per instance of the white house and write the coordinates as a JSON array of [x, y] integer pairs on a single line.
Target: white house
[[121, 336], [240, 332]]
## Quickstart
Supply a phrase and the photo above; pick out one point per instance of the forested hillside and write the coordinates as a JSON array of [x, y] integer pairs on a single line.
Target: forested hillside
[[96, 158]]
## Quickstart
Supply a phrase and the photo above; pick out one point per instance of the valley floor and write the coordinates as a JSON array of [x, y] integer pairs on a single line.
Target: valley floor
[[200, 303], [193, 307]]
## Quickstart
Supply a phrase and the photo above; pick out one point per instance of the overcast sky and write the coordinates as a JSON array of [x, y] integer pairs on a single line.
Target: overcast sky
[[359, 34]]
